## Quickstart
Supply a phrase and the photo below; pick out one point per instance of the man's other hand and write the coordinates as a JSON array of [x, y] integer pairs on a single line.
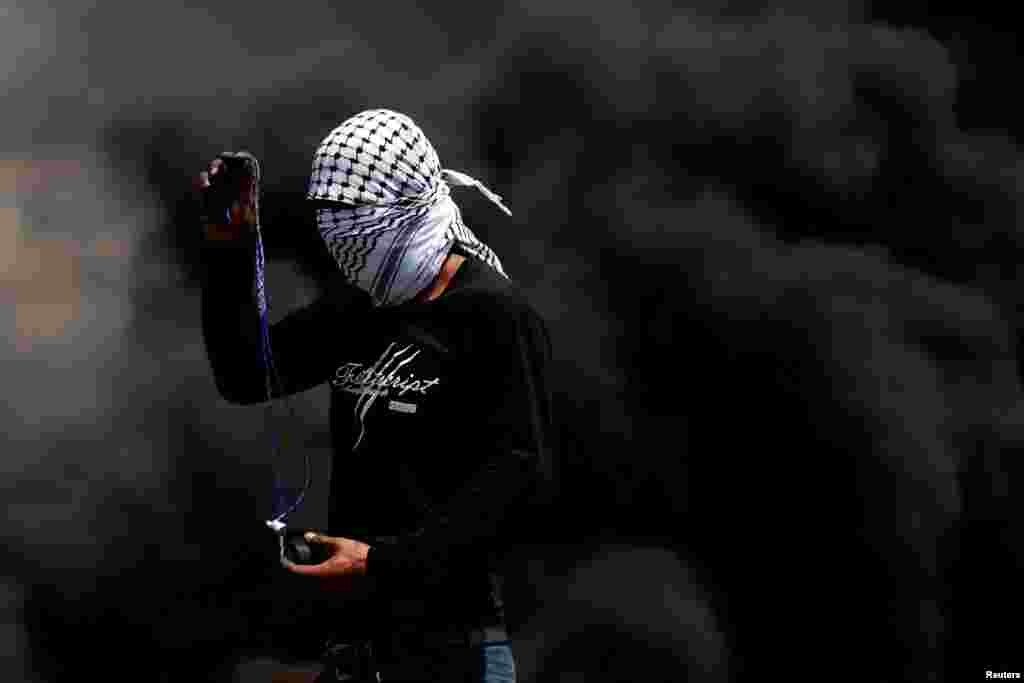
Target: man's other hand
[[344, 570]]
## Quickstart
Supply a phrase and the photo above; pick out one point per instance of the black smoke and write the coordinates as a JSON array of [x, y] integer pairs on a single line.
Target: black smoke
[[777, 249]]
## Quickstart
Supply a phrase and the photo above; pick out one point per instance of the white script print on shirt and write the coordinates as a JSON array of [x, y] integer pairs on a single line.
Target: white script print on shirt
[[383, 378]]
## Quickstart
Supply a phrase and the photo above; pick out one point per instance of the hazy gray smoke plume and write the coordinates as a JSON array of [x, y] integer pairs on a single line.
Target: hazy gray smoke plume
[[782, 285], [648, 603]]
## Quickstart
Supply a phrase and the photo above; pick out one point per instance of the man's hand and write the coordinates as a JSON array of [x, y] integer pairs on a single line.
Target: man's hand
[[344, 570], [228, 191]]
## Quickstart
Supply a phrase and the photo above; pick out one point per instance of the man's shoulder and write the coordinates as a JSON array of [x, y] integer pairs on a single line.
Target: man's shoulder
[[490, 294]]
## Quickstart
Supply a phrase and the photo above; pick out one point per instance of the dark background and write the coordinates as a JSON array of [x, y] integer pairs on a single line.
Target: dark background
[[777, 247]]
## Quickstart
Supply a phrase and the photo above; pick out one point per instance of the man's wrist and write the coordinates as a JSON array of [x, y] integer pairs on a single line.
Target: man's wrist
[[226, 232], [222, 232], [237, 223]]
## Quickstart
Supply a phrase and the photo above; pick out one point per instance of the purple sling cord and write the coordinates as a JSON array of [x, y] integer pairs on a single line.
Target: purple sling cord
[[272, 381]]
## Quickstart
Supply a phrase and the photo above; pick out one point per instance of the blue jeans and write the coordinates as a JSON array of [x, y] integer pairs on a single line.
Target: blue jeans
[[499, 664]]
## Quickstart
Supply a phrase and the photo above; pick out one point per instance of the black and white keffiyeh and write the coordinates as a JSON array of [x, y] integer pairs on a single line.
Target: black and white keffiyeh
[[394, 221]]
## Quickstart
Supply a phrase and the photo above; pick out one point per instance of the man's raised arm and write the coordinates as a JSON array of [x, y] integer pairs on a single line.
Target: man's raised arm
[[302, 352]]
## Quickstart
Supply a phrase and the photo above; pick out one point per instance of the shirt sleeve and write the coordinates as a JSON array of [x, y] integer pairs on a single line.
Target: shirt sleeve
[[303, 349], [513, 457]]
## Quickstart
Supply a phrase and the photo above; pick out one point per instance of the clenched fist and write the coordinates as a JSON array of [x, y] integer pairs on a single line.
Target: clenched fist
[[229, 192]]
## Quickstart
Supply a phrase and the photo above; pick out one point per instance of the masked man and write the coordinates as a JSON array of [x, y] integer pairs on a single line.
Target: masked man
[[440, 408]]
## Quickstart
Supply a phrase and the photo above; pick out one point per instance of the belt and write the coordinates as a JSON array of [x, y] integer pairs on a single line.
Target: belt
[[488, 634], [476, 636], [358, 660], [450, 637]]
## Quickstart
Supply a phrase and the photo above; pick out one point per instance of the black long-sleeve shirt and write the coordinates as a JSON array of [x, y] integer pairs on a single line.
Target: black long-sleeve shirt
[[440, 417]]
